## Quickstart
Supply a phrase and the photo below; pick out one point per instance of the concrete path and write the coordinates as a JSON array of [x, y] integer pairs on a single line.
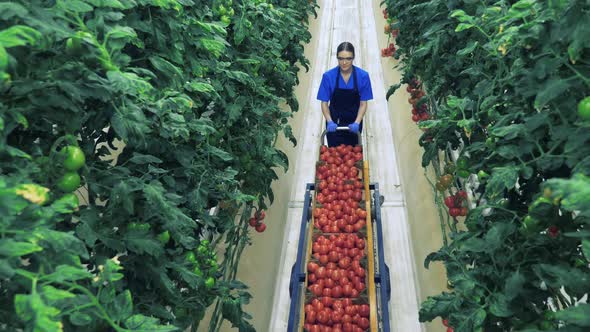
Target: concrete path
[[353, 21]]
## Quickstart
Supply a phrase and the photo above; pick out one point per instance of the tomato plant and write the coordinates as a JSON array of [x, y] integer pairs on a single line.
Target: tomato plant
[[152, 120], [503, 81]]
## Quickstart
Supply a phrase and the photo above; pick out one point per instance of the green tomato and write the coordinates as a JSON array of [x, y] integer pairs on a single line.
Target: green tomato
[[462, 163], [462, 173], [74, 157], [69, 182], [490, 142], [225, 20], [73, 45], [482, 174], [190, 257], [164, 237], [203, 250], [222, 10], [210, 282], [584, 109], [198, 271]]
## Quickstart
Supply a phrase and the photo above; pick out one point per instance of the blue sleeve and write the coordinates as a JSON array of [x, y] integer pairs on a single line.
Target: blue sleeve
[[365, 90], [324, 92]]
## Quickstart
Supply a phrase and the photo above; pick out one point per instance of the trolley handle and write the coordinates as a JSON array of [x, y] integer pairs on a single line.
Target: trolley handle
[[342, 128]]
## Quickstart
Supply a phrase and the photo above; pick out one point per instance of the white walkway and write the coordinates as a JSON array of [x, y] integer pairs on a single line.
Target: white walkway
[[353, 21]]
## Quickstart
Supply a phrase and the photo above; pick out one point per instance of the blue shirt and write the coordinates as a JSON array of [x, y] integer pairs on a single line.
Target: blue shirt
[[328, 84]]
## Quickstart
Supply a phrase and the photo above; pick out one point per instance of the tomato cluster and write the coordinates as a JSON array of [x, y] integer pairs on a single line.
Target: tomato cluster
[[335, 315], [388, 51], [336, 276], [456, 204], [256, 221], [419, 108], [204, 263], [73, 159]]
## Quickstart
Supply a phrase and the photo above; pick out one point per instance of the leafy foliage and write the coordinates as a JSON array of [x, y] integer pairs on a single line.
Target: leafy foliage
[[176, 105], [503, 80]]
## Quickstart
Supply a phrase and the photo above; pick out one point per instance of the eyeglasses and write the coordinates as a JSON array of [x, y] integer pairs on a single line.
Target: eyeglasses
[[344, 59]]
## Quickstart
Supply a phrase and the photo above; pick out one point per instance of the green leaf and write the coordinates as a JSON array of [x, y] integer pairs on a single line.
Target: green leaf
[[468, 49], [510, 132], [500, 305], [514, 285], [200, 87], [9, 10], [463, 26], [43, 318], [122, 307], [76, 6], [502, 178], [53, 295], [67, 273], [392, 90], [11, 248], [586, 249], [6, 269], [143, 323], [80, 319], [578, 315], [121, 32], [141, 244], [551, 89], [65, 204], [19, 35], [214, 46], [140, 159], [225, 156], [62, 242]]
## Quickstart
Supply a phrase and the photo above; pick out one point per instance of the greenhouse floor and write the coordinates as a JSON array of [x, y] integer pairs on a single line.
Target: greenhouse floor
[[410, 224]]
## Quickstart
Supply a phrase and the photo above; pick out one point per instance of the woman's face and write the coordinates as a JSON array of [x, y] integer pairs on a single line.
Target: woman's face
[[345, 60]]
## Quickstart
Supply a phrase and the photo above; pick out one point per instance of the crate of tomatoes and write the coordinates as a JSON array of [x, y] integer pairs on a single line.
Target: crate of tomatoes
[[340, 281]]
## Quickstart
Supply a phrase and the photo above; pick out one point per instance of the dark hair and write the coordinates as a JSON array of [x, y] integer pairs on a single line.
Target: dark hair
[[345, 46]]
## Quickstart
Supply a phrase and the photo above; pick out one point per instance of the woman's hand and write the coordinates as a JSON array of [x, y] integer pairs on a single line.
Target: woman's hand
[[331, 126], [354, 127]]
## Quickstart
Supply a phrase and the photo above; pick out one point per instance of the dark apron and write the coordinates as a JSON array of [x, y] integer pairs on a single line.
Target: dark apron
[[344, 107]]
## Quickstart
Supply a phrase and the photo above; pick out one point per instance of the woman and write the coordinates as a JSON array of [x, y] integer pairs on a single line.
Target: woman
[[344, 93]]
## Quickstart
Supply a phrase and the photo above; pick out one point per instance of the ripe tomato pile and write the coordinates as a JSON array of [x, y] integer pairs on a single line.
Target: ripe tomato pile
[[419, 109], [336, 277], [456, 204], [354, 316]]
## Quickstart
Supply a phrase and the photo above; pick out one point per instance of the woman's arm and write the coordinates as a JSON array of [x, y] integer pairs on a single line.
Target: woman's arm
[[362, 110], [326, 111]]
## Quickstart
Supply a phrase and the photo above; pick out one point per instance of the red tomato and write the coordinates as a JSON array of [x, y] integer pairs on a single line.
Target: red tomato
[[323, 259], [346, 319], [327, 292], [364, 323], [329, 283], [315, 328], [360, 286], [312, 267], [346, 290], [322, 317], [344, 262], [312, 278], [364, 310], [310, 317], [354, 293], [316, 289], [337, 291]]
